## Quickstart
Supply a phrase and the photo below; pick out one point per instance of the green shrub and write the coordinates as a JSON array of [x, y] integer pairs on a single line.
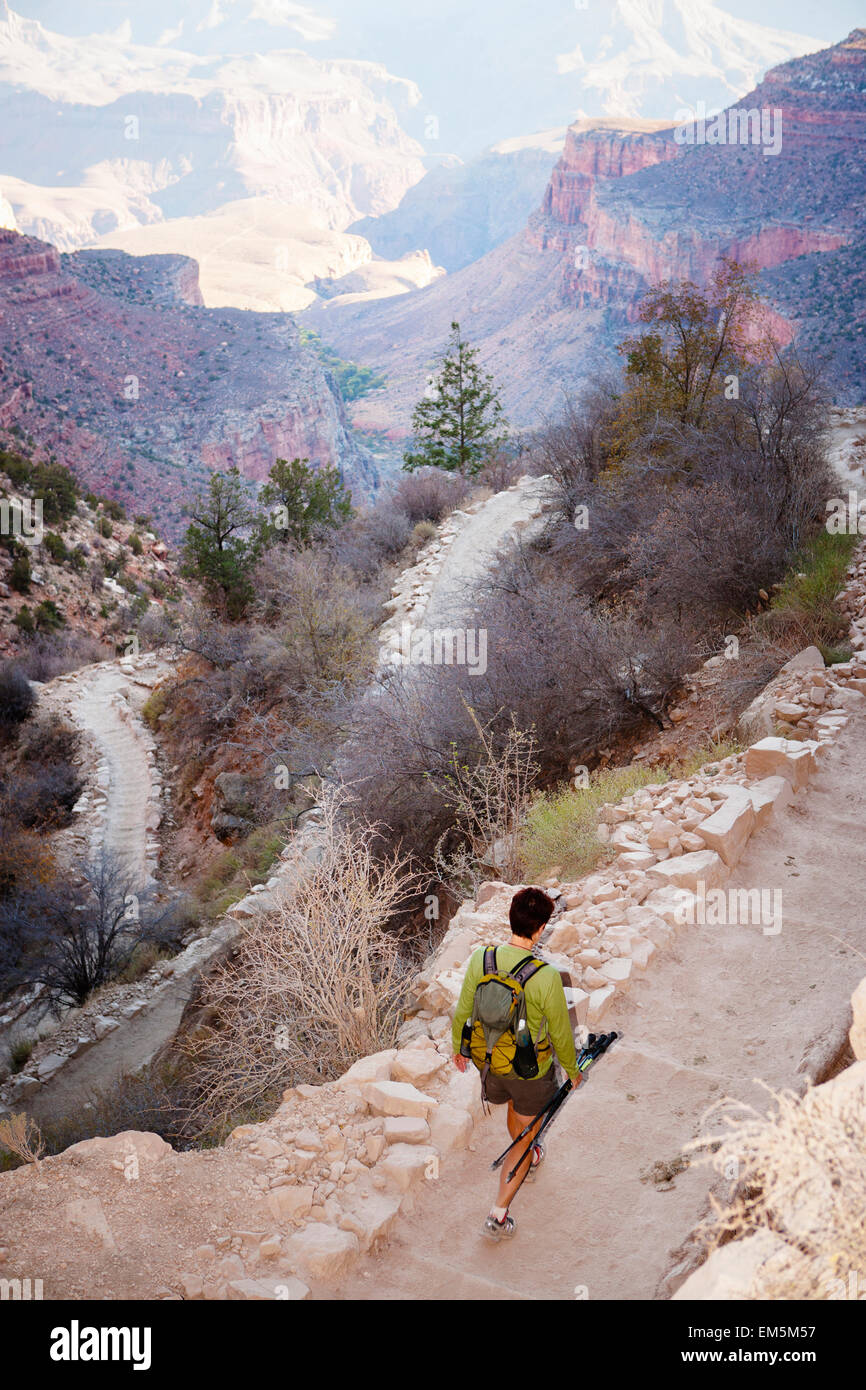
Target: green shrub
[[104, 527], [144, 957], [154, 706], [115, 510], [48, 616], [57, 488], [560, 827], [18, 470], [711, 752], [23, 620], [804, 607], [135, 544], [19, 575], [20, 1053], [56, 547]]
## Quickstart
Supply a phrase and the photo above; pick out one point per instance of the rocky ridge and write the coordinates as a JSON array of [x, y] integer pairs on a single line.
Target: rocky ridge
[[111, 364], [627, 207]]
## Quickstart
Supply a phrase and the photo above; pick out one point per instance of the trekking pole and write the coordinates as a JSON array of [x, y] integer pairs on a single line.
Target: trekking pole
[[595, 1047]]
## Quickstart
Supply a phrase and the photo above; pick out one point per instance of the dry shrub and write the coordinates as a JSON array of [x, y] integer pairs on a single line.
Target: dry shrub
[[47, 655], [313, 985], [322, 621], [429, 494], [21, 1137], [374, 538], [801, 1173], [488, 800], [503, 470]]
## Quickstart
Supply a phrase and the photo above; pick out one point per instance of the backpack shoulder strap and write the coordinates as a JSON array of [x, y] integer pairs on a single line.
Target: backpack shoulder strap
[[525, 969], [489, 964]]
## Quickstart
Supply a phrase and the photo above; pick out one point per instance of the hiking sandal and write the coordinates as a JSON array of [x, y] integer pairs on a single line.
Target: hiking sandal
[[498, 1230]]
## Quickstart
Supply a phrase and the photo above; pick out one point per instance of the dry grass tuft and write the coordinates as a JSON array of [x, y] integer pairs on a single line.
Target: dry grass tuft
[[800, 1172]]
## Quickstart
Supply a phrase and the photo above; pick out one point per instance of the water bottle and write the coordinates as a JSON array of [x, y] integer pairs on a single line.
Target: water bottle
[[525, 1060]]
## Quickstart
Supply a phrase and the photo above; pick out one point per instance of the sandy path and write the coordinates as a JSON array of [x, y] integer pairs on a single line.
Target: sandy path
[[846, 453], [105, 702], [97, 711], [472, 554], [589, 1220]]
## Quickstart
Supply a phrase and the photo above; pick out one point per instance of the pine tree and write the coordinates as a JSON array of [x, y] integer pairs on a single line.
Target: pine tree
[[460, 422], [216, 551]]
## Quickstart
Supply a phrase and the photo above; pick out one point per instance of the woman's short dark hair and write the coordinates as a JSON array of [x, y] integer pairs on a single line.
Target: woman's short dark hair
[[530, 909]]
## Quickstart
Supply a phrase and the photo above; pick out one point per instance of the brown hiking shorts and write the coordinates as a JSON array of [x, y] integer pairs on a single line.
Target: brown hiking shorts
[[527, 1097]]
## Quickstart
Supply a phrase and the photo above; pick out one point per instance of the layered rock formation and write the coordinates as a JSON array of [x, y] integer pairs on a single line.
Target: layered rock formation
[[142, 134], [110, 363], [628, 206]]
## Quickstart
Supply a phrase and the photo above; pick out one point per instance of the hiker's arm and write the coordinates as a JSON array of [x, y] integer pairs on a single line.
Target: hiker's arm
[[464, 1008], [559, 1026]]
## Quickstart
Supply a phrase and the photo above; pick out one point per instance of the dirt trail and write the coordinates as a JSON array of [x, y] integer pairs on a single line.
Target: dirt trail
[[473, 552], [105, 702], [719, 1008]]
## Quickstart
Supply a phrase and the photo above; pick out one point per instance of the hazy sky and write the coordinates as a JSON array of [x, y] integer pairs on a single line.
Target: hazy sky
[[487, 69]]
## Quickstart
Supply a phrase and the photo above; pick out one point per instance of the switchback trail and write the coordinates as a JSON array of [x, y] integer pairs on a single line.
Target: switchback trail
[[719, 1008]]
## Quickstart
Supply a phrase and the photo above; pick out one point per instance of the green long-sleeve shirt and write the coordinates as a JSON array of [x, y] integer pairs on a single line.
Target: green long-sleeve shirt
[[545, 1005]]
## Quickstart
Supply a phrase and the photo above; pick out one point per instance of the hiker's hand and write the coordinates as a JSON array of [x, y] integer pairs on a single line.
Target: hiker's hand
[[575, 1081], [459, 1062]]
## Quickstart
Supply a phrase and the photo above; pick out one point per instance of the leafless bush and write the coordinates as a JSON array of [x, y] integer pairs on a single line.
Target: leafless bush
[[429, 494], [574, 448], [20, 1135], [39, 781], [73, 936], [314, 985], [156, 628], [703, 558], [578, 673], [503, 470], [320, 617], [488, 800], [372, 539], [45, 656]]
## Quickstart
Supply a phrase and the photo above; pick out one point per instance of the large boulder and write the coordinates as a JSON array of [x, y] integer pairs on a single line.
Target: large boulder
[[688, 870], [738, 1270], [781, 757], [290, 1202], [417, 1065], [369, 1215], [728, 829], [397, 1098], [375, 1067], [769, 795], [150, 1147], [321, 1251], [450, 1128], [233, 814], [809, 659], [407, 1164]]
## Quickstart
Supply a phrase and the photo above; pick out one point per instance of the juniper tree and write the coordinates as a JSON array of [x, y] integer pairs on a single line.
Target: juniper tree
[[460, 422], [302, 502]]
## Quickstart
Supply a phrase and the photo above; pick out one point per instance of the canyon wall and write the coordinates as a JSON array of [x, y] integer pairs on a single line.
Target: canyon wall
[[109, 362], [627, 206]]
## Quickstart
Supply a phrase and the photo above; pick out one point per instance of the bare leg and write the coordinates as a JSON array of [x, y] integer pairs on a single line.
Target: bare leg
[[522, 1155]]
